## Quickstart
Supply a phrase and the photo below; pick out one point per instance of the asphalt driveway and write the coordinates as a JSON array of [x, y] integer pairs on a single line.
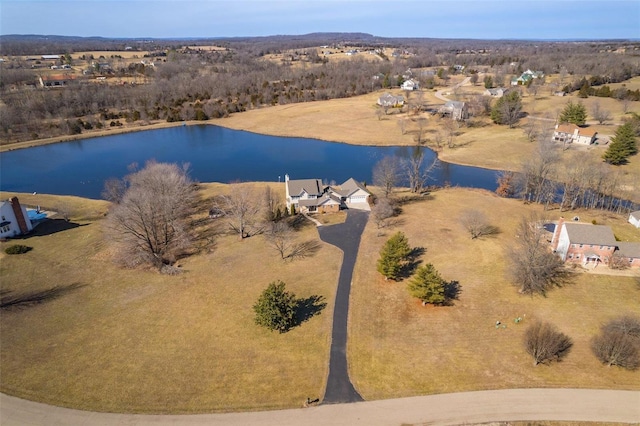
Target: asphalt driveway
[[345, 236]]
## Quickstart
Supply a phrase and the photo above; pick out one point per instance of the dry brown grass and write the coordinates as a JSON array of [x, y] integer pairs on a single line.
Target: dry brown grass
[[138, 341], [125, 54], [399, 348]]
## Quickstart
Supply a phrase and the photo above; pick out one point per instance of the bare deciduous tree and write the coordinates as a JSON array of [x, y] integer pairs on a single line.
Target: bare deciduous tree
[[114, 190], [536, 177], [533, 267], [402, 124], [451, 129], [477, 224], [415, 171], [619, 342], [386, 174], [152, 221], [280, 237], [381, 211], [599, 114], [243, 209], [545, 343]]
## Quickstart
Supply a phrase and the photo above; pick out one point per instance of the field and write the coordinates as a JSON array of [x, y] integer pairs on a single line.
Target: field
[[399, 348], [138, 341]]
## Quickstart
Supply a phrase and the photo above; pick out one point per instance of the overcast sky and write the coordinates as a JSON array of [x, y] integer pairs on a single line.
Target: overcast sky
[[479, 19]]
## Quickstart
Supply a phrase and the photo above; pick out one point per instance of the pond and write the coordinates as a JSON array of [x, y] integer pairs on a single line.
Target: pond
[[215, 154]]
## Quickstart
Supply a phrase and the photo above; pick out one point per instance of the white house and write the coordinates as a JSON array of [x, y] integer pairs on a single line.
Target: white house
[[410, 85], [634, 218], [303, 189], [497, 92], [570, 133], [389, 100], [310, 195], [354, 194], [14, 219]]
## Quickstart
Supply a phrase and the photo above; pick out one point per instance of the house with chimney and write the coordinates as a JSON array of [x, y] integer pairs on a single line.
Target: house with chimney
[[591, 245], [570, 133], [14, 219], [312, 196]]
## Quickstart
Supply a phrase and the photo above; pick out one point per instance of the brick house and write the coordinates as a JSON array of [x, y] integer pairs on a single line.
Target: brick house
[[591, 245]]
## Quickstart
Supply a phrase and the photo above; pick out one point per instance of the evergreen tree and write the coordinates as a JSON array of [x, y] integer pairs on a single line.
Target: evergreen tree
[[276, 308], [427, 285], [507, 109], [622, 145], [575, 113], [393, 256]]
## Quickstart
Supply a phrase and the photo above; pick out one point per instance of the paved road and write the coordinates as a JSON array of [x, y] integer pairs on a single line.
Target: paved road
[[345, 236], [582, 405], [440, 93]]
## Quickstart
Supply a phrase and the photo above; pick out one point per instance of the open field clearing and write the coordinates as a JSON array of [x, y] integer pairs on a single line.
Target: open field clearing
[[137, 341], [107, 54], [399, 348]]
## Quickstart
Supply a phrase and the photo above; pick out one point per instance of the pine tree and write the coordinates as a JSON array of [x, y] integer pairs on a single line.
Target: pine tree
[[393, 256], [507, 109], [622, 145], [427, 285], [276, 308], [575, 113]]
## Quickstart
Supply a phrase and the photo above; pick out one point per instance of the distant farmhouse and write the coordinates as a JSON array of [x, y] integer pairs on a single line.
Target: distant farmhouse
[[526, 77], [312, 196], [497, 92], [455, 109], [634, 218], [391, 101]]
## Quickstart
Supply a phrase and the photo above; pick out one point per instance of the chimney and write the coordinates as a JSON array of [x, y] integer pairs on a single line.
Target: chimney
[[556, 233], [17, 211]]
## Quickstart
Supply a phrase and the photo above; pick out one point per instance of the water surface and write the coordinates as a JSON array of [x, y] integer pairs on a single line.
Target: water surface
[[215, 154]]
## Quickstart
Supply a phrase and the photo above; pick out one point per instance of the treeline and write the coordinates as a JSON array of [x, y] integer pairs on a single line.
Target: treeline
[[194, 84], [597, 86]]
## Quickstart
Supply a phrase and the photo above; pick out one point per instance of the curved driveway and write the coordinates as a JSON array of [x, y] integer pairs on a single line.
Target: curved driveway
[[582, 405]]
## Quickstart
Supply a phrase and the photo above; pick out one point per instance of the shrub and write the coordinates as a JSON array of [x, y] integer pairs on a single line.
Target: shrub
[[619, 343], [276, 308], [545, 343], [17, 249]]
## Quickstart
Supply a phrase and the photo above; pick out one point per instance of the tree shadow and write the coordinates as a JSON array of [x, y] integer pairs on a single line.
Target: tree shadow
[[51, 226], [451, 292], [305, 249], [307, 308], [9, 300], [412, 263], [298, 222]]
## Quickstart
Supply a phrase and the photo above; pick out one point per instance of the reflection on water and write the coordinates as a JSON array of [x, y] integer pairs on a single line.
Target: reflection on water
[[215, 154]]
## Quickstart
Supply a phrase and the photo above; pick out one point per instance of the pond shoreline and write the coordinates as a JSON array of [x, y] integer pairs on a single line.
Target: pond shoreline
[[217, 122]]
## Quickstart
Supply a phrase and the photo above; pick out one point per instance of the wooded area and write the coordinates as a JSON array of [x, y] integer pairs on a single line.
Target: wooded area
[[151, 80]]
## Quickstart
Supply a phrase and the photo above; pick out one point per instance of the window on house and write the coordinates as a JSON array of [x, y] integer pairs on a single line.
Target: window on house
[[577, 256], [581, 245], [571, 256]]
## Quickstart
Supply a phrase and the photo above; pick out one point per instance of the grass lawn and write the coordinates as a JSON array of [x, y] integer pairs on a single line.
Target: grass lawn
[[138, 341], [399, 348]]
